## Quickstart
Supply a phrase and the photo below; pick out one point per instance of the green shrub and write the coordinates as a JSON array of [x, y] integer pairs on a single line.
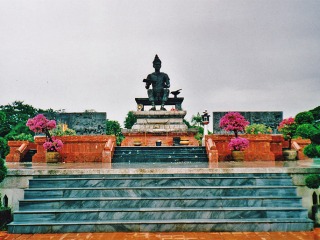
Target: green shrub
[[313, 181], [23, 137], [3, 170], [58, 131], [316, 113], [5, 218], [4, 148], [17, 130], [306, 130], [316, 137], [258, 129], [304, 117], [312, 150]]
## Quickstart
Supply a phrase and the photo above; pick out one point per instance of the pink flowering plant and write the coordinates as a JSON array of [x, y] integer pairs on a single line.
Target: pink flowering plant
[[40, 124], [288, 128], [233, 121], [238, 144]]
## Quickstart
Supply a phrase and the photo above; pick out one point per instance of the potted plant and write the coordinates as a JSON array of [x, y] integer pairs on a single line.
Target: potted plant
[[40, 124], [288, 128], [237, 147], [235, 122]]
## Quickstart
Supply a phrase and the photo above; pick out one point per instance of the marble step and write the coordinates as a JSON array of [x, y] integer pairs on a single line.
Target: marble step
[[152, 202], [169, 175], [157, 159], [179, 225], [157, 181], [155, 153], [159, 151], [161, 191], [171, 149], [158, 213]]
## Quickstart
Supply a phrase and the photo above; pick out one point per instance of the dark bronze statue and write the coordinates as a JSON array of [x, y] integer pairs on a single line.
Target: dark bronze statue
[[160, 85]]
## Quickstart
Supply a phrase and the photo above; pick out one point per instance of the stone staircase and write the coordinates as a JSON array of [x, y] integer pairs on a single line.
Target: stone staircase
[[159, 154], [160, 203]]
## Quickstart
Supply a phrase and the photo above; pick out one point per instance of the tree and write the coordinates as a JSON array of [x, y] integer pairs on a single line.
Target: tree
[[3, 170], [233, 121], [288, 129], [15, 113], [130, 120], [196, 120], [4, 148], [113, 128]]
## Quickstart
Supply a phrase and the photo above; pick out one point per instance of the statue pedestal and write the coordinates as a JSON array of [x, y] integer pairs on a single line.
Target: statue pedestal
[[152, 126], [159, 121], [151, 139]]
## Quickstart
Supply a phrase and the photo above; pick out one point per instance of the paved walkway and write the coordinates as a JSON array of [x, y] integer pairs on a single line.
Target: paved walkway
[[315, 235]]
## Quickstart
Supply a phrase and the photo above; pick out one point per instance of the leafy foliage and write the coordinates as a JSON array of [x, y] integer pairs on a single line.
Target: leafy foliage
[[23, 137], [288, 128], [59, 131], [15, 113], [312, 150], [20, 130], [187, 123], [258, 129], [316, 113], [313, 181], [304, 117], [4, 148], [113, 128], [3, 169], [306, 130], [196, 120], [130, 120], [309, 127]]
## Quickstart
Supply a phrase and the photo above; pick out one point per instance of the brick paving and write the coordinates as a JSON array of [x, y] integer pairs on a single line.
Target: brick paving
[[314, 235]]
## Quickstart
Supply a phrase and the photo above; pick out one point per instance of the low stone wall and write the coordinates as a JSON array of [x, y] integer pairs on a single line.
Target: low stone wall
[[76, 148], [259, 147]]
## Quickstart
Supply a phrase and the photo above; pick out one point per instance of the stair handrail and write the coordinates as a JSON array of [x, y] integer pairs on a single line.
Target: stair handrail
[[211, 150], [21, 152], [108, 150]]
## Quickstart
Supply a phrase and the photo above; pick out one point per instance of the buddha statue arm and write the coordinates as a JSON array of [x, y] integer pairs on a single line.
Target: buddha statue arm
[[166, 81]]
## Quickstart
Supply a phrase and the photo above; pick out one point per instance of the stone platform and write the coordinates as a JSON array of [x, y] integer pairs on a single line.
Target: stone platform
[[159, 121]]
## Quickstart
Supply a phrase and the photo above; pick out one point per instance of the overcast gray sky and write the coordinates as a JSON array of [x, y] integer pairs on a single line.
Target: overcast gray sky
[[258, 55]]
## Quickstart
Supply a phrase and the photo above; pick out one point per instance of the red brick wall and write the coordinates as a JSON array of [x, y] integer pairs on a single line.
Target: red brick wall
[[76, 148], [259, 147]]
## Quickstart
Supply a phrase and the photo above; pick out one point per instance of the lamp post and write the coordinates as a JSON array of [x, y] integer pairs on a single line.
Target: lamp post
[[205, 121]]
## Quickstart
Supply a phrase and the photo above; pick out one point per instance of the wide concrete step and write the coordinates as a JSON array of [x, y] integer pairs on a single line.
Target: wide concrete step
[[159, 154], [152, 202], [173, 225], [170, 175], [161, 191], [171, 149], [157, 181], [159, 159], [158, 213]]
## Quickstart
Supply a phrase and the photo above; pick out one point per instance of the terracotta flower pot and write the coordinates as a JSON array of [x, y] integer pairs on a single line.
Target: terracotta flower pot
[[53, 157], [137, 143], [237, 156], [289, 154]]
